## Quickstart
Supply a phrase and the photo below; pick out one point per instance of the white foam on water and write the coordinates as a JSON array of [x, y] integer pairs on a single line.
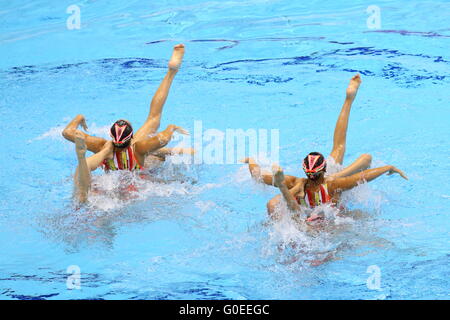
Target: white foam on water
[[242, 174], [293, 241], [365, 197], [55, 133], [333, 167], [109, 190], [205, 206]]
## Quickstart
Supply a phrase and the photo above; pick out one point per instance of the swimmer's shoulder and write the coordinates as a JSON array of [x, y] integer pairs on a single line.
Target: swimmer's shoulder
[[300, 180]]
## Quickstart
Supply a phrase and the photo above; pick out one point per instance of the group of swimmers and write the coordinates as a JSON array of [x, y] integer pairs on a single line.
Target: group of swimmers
[[133, 151]]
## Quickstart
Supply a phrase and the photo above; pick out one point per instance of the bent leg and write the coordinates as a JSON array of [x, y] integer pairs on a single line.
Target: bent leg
[[273, 207], [94, 144], [362, 163], [340, 131], [156, 107]]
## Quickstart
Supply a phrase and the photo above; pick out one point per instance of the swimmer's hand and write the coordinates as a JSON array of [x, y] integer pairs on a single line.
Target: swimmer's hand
[[400, 172], [188, 151], [314, 217], [299, 189], [179, 129], [278, 175], [278, 181], [247, 160]]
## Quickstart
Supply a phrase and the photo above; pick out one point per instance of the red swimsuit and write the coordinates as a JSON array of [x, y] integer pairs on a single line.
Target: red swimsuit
[[313, 199], [122, 160]]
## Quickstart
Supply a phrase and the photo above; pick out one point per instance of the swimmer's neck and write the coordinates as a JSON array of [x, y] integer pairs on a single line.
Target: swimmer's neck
[[117, 149], [315, 183]]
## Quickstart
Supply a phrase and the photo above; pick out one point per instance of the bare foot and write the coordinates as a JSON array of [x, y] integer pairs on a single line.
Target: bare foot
[[352, 89], [80, 144], [400, 172], [180, 130], [177, 57]]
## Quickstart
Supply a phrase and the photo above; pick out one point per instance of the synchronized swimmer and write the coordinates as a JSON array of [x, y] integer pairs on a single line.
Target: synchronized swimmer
[[302, 195], [126, 150], [129, 151]]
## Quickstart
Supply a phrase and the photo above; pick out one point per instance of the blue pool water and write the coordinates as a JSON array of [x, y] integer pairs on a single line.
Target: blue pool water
[[203, 233]]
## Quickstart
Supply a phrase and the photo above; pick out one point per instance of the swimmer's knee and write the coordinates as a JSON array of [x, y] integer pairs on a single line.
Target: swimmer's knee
[[338, 153], [271, 207], [68, 134], [367, 158]]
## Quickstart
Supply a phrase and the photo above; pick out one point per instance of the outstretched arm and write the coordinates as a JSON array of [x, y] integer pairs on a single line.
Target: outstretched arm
[[362, 163], [366, 175], [94, 144], [143, 147], [299, 188], [266, 177], [97, 159], [159, 99]]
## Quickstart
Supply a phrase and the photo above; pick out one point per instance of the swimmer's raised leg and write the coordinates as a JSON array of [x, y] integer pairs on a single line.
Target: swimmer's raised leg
[[340, 132], [153, 121]]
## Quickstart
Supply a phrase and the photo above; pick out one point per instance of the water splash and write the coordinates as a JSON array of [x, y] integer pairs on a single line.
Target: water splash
[[118, 189], [55, 133], [297, 244]]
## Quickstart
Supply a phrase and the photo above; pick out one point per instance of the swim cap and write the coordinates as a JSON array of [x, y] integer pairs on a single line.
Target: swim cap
[[314, 163], [121, 132]]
